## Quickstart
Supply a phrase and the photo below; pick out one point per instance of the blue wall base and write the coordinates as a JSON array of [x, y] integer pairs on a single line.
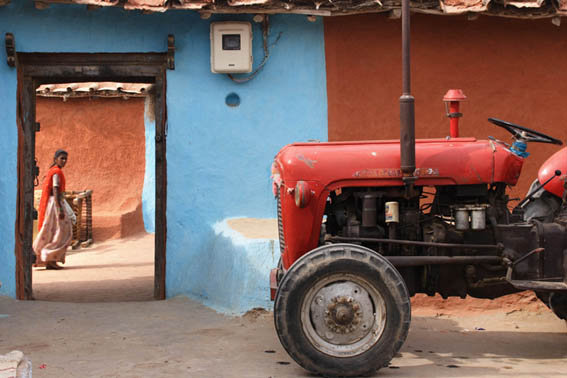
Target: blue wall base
[[236, 275]]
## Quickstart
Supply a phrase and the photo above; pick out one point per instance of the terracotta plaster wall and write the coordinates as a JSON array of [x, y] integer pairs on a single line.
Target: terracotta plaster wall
[[105, 139], [509, 69]]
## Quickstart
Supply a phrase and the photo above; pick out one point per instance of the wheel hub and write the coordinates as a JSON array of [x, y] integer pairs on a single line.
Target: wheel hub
[[343, 314]]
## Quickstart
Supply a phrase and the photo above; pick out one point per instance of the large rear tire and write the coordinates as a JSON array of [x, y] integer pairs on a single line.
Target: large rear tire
[[342, 310]]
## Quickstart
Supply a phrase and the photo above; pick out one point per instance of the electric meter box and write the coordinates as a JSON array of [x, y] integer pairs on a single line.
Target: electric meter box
[[231, 47]]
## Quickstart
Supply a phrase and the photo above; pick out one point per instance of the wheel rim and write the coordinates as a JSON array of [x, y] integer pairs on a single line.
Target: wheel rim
[[343, 315]]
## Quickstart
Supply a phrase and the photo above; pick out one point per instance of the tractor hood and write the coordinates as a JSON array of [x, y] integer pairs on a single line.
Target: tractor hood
[[457, 161]]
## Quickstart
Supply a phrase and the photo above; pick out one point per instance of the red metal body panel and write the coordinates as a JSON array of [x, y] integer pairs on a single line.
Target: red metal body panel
[[557, 161], [328, 166]]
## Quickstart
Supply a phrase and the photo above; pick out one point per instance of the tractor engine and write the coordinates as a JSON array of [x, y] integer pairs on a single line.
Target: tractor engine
[[456, 214], [451, 221]]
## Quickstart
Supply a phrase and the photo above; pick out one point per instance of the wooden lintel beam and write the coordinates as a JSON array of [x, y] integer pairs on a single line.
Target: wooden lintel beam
[[64, 73], [115, 59]]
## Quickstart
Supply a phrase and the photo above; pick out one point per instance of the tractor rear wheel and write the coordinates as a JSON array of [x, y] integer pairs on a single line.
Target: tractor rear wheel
[[342, 310]]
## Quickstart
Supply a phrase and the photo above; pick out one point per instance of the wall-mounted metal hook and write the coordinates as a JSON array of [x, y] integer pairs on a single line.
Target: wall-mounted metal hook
[[171, 52], [10, 49]]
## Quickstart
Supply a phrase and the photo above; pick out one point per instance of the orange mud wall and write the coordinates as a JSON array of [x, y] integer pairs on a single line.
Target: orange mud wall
[[508, 69], [106, 144]]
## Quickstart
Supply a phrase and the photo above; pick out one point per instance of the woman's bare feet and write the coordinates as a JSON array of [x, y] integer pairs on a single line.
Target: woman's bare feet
[[52, 265]]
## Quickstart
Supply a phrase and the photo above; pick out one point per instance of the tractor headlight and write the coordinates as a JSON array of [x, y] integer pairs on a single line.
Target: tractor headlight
[[302, 194]]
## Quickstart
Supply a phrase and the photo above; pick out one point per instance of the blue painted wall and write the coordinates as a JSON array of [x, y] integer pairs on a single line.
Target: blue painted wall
[[218, 157], [8, 165], [149, 191]]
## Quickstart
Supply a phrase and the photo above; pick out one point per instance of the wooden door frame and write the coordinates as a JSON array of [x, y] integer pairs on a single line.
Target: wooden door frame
[[35, 69]]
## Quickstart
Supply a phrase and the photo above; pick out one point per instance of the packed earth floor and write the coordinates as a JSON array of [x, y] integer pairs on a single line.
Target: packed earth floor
[[95, 318]]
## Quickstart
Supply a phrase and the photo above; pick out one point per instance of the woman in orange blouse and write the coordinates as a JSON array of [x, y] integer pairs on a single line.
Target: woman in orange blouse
[[55, 227]]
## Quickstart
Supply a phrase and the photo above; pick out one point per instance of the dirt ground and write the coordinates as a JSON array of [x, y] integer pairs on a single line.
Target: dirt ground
[[112, 271], [125, 334]]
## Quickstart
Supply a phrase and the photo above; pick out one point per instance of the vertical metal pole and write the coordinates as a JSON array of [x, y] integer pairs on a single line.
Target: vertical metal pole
[[454, 120], [407, 113]]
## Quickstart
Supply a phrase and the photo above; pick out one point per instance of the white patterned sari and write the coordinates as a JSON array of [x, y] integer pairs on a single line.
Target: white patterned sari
[[55, 236]]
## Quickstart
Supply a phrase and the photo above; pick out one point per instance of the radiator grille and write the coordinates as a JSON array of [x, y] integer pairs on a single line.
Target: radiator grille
[[280, 225]]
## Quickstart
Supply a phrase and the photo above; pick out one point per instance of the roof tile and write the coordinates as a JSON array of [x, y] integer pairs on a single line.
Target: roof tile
[[463, 6], [151, 5]]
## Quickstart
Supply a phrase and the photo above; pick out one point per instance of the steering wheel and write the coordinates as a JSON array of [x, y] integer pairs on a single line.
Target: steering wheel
[[525, 134]]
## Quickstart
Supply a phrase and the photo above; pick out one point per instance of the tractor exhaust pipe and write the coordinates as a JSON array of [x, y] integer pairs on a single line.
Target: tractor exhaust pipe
[[407, 113]]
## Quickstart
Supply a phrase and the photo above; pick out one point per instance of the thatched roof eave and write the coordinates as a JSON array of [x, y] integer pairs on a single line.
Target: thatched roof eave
[[524, 9]]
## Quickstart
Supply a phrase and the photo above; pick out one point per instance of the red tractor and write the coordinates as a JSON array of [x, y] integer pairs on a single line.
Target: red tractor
[[363, 226]]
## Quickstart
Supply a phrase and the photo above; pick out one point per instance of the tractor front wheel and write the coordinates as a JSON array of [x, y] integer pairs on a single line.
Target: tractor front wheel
[[342, 310]]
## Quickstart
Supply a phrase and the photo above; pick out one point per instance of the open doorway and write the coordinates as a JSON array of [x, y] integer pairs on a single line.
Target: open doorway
[[106, 128], [113, 164]]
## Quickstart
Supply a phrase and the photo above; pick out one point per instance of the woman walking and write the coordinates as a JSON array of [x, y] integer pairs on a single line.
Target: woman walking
[[54, 225]]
